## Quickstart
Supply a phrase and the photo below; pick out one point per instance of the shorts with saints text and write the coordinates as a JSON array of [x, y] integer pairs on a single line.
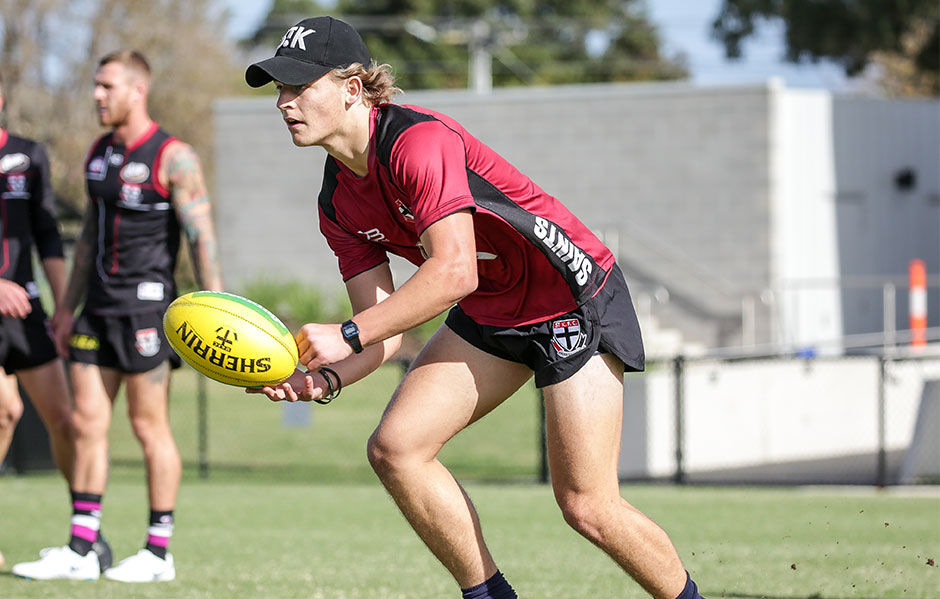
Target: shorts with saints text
[[131, 343], [557, 348]]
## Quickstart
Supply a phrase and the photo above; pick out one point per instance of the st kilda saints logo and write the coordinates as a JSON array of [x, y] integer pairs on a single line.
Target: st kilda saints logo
[[147, 342], [219, 351], [405, 211], [567, 337]]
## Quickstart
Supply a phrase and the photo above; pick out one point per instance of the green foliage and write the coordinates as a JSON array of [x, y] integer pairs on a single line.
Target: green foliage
[[48, 86], [296, 302], [429, 42], [308, 7], [846, 32]]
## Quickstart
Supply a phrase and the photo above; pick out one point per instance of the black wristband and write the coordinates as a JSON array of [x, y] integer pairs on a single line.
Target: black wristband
[[334, 388]]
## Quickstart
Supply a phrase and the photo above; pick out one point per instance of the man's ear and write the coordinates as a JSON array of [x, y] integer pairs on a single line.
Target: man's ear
[[353, 87], [141, 89]]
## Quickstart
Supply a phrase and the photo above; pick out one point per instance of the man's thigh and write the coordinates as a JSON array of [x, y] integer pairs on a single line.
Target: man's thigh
[[47, 387], [583, 417], [450, 385], [93, 391], [148, 394]]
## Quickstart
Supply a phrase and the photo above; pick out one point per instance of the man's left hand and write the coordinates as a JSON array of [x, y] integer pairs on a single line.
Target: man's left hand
[[321, 345]]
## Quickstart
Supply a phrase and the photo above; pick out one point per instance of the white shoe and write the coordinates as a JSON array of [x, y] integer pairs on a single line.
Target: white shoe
[[60, 562], [143, 567]]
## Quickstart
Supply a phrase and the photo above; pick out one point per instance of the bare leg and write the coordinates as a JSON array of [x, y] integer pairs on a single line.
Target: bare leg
[[48, 390], [11, 410], [94, 390], [584, 415], [148, 407], [450, 386]]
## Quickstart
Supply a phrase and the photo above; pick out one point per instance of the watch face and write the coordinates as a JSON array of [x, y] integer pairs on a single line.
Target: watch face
[[349, 329]]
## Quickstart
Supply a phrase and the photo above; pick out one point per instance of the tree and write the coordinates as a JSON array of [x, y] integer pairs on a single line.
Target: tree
[[431, 43], [901, 36], [49, 52]]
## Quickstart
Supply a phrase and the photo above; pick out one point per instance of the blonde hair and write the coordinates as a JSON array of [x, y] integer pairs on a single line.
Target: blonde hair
[[378, 83], [132, 60]]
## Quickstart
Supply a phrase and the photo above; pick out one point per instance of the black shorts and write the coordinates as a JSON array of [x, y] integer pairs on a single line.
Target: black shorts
[[131, 344], [26, 342], [557, 348]]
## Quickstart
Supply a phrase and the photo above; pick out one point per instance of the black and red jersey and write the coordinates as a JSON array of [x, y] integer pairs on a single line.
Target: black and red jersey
[[138, 231], [535, 259], [27, 210]]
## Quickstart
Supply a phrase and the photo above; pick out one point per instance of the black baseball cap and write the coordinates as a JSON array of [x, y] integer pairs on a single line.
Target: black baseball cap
[[309, 50]]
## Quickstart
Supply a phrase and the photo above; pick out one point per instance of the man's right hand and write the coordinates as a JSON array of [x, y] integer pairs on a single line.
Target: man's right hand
[[62, 322], [299, 386], [14, 301]]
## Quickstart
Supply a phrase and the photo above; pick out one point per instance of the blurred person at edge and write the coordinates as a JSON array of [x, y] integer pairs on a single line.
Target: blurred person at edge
[[145, 187], [28, 355]]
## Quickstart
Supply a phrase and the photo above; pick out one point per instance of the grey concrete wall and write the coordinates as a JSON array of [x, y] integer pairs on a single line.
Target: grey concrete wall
[[265, 194], [883, 226], [679, 181], [674, 176]]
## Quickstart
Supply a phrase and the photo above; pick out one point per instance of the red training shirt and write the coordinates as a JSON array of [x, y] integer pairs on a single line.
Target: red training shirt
[[536, 260]]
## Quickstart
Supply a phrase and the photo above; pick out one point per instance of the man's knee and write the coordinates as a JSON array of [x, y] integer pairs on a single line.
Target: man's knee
[[388, 454], [380, 454], [151, 432], [87, 424], [11, 410], [60, 423], [584, 512]]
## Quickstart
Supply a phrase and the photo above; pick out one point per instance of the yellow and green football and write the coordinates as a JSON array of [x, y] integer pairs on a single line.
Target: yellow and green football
[[230, 339]]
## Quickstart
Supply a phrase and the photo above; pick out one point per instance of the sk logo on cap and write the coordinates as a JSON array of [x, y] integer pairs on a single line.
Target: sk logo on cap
[[295, 37]]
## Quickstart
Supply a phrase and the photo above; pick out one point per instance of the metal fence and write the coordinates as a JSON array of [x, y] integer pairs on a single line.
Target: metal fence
[[755, 419]]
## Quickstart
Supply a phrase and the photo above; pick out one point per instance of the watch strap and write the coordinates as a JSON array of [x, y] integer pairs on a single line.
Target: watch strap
[[351, 334]]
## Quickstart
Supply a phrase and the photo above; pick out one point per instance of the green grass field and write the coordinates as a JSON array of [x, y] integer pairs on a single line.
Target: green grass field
[[291, 512], [248, 439], [245, 539]]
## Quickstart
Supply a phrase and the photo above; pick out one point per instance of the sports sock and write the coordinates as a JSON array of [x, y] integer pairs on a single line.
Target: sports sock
[[494, 588], [691, 590], [86, 520], [159, 532]]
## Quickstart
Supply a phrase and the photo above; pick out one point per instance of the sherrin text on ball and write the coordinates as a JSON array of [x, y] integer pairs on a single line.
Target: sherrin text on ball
[[230, 339]]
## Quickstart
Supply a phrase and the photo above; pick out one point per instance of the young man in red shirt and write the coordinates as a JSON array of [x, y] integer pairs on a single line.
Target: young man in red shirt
[[529, 288]]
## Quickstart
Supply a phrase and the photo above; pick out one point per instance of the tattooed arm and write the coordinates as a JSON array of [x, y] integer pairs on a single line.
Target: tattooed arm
[[64, 315], [182, 175]]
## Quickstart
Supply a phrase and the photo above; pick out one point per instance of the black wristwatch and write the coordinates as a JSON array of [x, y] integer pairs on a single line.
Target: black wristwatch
[[351, 335]]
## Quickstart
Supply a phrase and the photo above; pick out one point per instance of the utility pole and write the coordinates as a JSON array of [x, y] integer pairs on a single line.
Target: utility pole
[[481, 58]]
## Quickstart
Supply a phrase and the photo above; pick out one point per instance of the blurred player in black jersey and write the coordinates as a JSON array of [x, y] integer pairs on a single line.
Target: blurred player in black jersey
[[27, 349], [145, 187]]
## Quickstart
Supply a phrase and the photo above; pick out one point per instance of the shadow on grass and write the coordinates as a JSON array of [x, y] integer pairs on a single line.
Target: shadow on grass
[[727, 595], [127, 469]]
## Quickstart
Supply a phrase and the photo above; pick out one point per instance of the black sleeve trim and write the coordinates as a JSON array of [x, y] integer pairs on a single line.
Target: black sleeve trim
[[330, 171]]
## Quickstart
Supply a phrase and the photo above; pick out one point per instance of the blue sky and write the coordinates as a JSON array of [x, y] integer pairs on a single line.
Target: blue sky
[[684, 26]]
